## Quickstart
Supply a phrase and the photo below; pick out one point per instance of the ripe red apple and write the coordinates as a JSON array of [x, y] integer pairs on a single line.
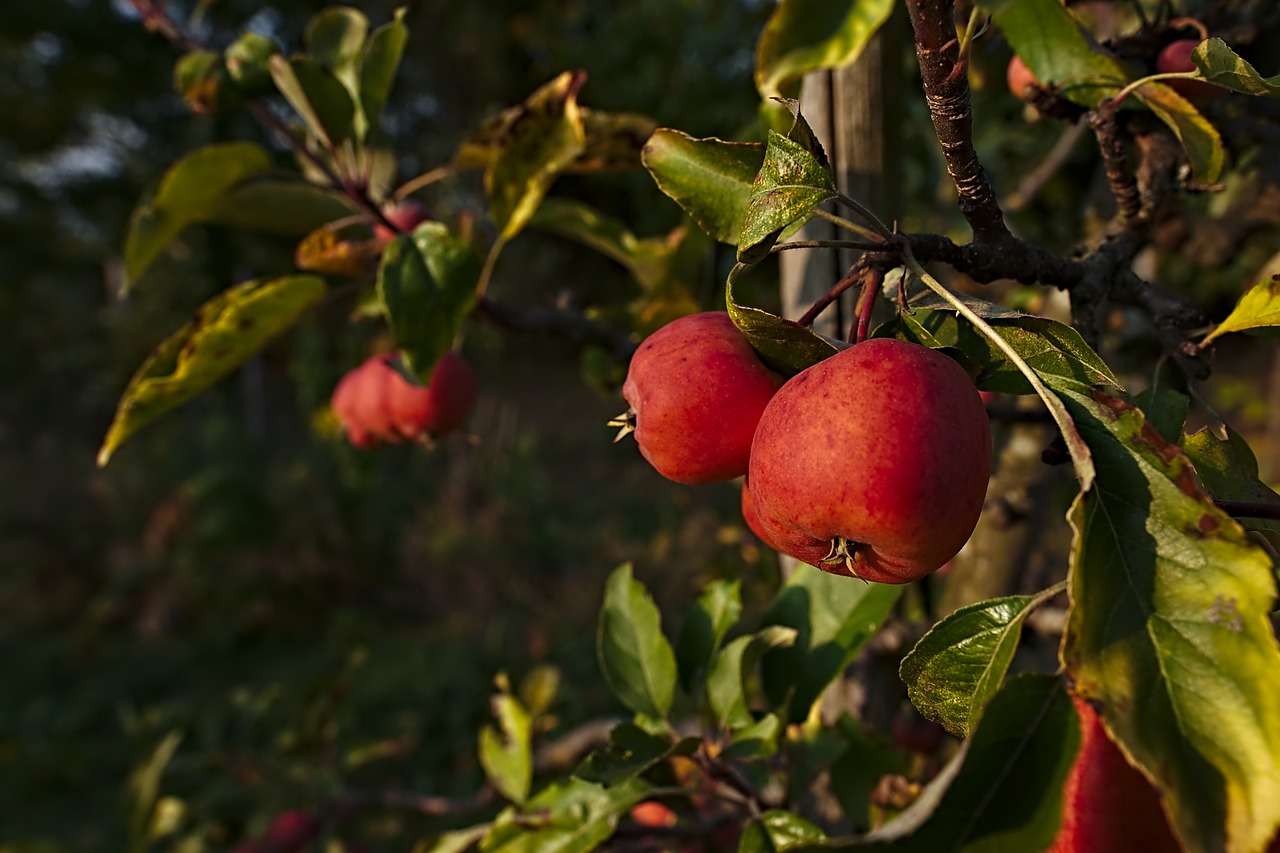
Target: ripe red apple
[[1176, 57], [404, 215], [1108, 805], [696, 389], [1019, 77], [652, 813], [375, 404], [751, 518], [873, 463]]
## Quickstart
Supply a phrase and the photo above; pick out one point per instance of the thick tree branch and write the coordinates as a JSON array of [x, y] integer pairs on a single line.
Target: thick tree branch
[[946, 89]]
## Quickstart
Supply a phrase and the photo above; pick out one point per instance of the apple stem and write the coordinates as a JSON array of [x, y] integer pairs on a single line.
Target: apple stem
[[871, 280]]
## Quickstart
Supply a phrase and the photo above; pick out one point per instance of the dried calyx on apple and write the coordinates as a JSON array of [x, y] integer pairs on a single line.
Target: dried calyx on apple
[[377, 405], [696, 389], [872, 463]]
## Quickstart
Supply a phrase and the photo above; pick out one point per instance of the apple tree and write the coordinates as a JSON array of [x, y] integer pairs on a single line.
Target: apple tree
[[1157, 722]]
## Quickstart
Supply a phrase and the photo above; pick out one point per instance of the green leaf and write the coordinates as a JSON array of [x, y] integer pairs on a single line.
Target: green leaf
[[726, 679], [790, 185], [378, 65], [457, 840], [224, 333], [806, 35], [289, 208], [335, 35], [539, 688], [190, 188], [143, 787], [1004, 790], [755, 741], [1258, 308], [427, 285], [539, 142], [784, 345], [1199, 138], [777, 832], [506, 753], [631, 751], [1169, 630], [1057, 50], [834, 617], [1228, 471], [246, 59], [957, 667], [322, 101], [1166, 410], [1220, 64], [565, 817], [648, 260], [716, 611], [709, 178], [201, 79], [635, 657], [612, 141]]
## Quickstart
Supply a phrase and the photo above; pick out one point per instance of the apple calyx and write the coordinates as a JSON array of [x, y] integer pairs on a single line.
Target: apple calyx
[[843, 552], [625, 423]]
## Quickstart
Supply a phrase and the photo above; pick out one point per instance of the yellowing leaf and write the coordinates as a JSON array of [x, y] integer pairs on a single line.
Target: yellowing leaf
[[1258, 308]]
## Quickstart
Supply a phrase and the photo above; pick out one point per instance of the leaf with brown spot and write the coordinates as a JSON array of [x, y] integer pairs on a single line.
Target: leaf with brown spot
[[326, 252], [1188, 693], [225, 331]]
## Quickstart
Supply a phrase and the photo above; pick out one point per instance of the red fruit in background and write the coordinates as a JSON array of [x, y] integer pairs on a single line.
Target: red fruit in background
[[375, 403], [1019, 77], [1108, 805], [873, 463], [1176, 57], [651, 813], [404, 215], [697, 388], [291, 831]]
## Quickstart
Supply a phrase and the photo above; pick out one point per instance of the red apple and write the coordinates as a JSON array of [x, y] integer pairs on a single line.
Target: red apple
[[375, 404], [652, 813], [404, 215], [1019, 78], [696, 389], [1108, 805], [751, 518], [873, 463], [1176, 57], [291, 831]]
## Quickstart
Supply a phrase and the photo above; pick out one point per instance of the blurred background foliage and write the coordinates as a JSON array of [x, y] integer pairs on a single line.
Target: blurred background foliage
[[309, 618]]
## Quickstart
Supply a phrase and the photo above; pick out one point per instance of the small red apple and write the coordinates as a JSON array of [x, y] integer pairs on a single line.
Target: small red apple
[[873, 462], [291, 831], [1176, 57], [375, 404], [1020, 78], [653, 813], [696, 389], [404, 215], [1108, 805]]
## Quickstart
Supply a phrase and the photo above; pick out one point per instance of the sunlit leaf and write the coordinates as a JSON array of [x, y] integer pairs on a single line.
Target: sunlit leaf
[[322, 101], [778, 831], [806, 35], [612, 141], [710, 178], [327, 252], [201, 79], [1258, 308], [565, 817], [506, 752], [1199, 138], [790, 185], [755, 740], [1220, 64], [1228, 470], [246, 59], [1053, 45], [225, 332], [192, 186], [1169, 630], [334, 36], [647, 259], [541, 139], [635, 656], [957, 667]]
